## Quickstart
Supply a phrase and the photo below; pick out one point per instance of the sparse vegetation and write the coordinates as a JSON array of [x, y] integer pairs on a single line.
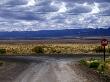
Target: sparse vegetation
[[100, 49], [94, 64], [1, 63], [83, 62], [108, 50], [2, 51], [28, 48], [38, 49], [98, 64], [47, 48]]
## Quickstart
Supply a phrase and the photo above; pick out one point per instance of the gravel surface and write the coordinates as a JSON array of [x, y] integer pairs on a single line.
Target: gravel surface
[[10, 70], [57, 71], [85, 73], [49, 70]]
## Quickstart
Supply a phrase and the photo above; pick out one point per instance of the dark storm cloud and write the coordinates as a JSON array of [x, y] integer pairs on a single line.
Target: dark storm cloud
[[47, 8], [16, 2], [53, 14], [21, 15], [106, 12], [80, 9], [89, 1]]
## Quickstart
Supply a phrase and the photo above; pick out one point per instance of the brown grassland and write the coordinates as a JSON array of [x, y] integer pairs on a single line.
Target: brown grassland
[[62, 46]]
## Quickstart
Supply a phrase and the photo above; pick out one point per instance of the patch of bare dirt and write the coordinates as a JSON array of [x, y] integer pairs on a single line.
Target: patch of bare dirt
[[84, 72], [10, 70]]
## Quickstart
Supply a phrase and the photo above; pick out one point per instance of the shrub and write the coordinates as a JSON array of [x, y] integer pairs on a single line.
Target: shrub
[[2, 51], [1, 63], [101, 67], [93, 59], [98, 49], [38, 49], [108, 50], [54, 51], [83, 62], [94, 64]]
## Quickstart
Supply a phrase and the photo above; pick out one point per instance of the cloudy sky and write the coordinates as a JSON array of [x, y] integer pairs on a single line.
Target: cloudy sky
[[34, 15]]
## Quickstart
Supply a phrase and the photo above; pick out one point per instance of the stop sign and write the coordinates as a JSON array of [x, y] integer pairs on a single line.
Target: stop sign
[[104, 42]]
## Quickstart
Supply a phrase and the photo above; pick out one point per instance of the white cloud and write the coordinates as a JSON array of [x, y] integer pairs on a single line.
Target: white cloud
[[31, 3], [95, 8], [62, 8], [33, 15]]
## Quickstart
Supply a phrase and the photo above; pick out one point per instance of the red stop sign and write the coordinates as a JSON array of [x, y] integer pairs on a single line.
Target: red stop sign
[[104, 42]]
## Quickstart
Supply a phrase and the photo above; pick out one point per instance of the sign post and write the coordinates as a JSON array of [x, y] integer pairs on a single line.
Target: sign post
[[104, 43]]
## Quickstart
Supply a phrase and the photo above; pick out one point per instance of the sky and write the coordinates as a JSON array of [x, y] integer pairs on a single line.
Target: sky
[[34, 15]]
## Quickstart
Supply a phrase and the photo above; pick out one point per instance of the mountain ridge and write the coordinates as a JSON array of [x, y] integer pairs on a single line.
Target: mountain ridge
[[54, 33]]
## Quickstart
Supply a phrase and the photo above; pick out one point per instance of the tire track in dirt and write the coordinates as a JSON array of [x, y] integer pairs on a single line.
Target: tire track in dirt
[[54, 71]]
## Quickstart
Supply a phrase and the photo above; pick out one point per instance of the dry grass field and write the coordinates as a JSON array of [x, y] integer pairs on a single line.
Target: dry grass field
[[68, 46]]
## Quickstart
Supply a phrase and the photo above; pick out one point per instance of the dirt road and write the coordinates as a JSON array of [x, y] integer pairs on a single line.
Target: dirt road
[[57, 71]]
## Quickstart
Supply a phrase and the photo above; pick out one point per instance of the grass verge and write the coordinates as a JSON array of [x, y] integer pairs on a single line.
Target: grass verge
[[98, 65]]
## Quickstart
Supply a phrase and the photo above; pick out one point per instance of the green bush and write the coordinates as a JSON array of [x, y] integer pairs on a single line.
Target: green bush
[[2, 51], [94, 64], [101, 67], [93, 59], [98, 49], [38, 49], [97, 64], [83, 62]]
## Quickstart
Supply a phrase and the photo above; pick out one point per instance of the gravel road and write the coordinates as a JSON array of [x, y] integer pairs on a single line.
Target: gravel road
[[47, 70], [57, 71]]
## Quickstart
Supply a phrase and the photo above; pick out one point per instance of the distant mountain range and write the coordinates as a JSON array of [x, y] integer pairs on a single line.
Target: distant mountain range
[[48, 34]]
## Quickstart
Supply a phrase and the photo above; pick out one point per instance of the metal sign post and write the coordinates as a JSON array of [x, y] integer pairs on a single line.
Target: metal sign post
[[104, 53], [104, 43]]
